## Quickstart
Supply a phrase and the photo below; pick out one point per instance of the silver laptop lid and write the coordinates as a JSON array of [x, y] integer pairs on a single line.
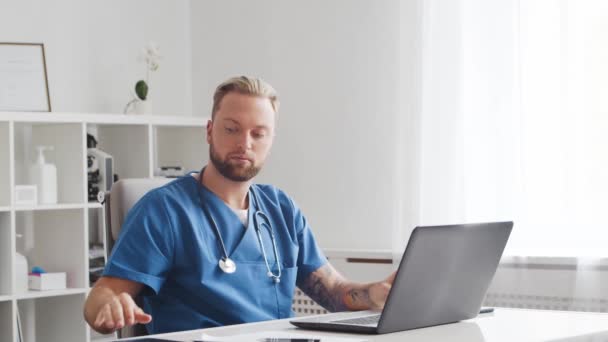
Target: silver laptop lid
[[444, 275]]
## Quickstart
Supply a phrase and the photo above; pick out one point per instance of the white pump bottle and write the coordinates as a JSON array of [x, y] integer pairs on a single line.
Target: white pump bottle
[[44, 176]]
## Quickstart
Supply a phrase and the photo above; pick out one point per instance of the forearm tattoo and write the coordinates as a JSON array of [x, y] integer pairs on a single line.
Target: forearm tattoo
[[358, 299], [330, 290]]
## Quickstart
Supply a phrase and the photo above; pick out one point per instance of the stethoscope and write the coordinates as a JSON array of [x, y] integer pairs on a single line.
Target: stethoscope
[[260, 219]]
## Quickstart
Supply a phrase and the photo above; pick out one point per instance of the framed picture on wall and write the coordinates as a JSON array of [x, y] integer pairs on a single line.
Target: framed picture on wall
[[23, 80]]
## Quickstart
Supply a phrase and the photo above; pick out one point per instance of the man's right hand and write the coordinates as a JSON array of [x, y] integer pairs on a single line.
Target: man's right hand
[[110, 305], [121, 311]]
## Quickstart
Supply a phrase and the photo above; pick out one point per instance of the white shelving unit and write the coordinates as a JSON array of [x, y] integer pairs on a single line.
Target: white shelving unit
[[56, 237]]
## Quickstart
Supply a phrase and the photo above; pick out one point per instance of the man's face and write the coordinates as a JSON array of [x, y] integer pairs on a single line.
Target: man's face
[[240, 135]]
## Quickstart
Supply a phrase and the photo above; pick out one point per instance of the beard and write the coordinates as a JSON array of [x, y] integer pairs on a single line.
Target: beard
[[236, 173]]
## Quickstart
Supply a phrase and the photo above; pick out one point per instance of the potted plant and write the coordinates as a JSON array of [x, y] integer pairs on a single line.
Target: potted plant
[[139, 104]]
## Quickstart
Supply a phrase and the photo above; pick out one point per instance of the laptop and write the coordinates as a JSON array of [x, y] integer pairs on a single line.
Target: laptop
[[443, 278]]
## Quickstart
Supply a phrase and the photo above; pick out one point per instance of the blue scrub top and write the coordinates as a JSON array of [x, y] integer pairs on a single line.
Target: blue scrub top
[[168, 244]]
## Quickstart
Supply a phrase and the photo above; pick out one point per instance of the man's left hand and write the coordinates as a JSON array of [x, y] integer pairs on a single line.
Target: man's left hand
[[378, 292]]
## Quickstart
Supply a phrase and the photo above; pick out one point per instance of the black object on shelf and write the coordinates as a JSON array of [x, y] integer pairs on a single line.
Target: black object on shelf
[[100, 170]]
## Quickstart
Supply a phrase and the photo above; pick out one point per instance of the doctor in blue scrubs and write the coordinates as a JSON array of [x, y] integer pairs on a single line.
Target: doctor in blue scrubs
[[212, 248]]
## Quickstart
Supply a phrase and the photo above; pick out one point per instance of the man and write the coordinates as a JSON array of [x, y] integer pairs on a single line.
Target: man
[[212, 248]]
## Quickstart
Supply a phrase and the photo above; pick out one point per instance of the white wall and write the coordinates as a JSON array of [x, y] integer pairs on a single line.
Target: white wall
[[336, 67], [336, 64], [92, 46]]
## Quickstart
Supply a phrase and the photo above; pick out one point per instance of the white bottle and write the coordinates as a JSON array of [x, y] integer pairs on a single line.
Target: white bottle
[[21, 272], [44, 176]]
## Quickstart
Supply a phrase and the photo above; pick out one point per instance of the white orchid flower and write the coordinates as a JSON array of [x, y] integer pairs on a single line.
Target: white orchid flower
[[150, 54]]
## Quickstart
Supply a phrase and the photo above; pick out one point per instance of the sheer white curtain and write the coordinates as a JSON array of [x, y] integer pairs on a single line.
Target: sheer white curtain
[[564, 93], [513, 121]]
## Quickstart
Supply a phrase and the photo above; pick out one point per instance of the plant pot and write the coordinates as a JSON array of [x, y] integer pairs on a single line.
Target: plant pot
[[141, 107]]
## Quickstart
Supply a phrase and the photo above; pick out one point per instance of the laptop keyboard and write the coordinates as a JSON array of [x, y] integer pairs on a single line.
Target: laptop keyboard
[[360, 320]]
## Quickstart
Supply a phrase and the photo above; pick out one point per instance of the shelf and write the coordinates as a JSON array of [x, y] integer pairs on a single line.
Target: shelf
[[94, 118], [129, 147], [68, 155], [55, 241], [51, 293], [57, 237], [188, 155], [53, 318], [61, 206], [43, 294]]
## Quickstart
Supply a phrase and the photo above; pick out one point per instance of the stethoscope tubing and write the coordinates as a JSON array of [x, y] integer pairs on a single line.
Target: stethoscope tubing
[[216, 230], [258, 213], [275, 250]]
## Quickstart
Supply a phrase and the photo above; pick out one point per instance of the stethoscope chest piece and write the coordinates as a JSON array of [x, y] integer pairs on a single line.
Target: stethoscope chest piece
[[227, 265]]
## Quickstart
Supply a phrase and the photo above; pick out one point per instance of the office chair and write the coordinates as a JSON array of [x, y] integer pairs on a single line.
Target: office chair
[[121, 198]]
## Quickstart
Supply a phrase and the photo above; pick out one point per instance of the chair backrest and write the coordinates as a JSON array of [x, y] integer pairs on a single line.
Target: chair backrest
[[121, 198]]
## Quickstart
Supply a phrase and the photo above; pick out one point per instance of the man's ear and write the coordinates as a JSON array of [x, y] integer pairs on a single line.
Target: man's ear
[[209, 130]]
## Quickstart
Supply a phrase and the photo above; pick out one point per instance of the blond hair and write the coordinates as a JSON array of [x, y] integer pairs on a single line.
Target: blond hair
[[245, 85]]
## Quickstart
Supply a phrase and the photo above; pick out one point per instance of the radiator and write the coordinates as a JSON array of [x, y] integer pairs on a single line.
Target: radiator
[[302, 305], [550, 284], [514, 300]]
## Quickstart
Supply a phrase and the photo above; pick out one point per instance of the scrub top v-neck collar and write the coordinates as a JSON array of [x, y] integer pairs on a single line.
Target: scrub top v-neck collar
[[225, 216], [205, 189]]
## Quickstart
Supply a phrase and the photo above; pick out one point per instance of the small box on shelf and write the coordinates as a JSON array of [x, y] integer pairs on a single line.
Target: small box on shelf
[[47, 281], [26, 195]]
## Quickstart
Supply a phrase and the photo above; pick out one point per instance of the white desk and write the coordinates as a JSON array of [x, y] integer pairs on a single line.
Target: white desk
[[504, 325]]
